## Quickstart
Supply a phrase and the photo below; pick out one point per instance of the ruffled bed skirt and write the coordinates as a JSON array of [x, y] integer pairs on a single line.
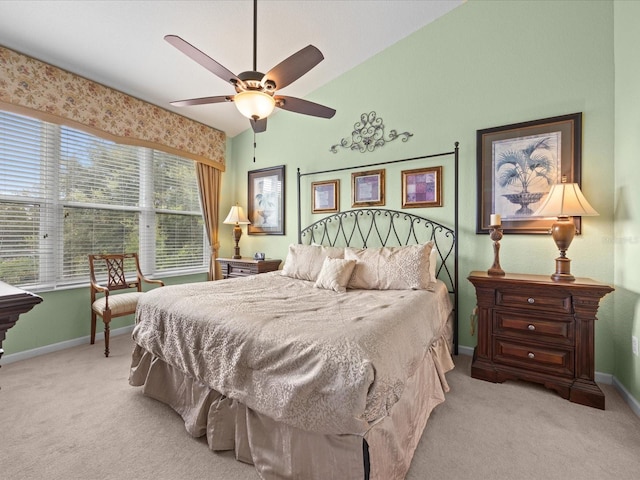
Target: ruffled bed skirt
[[279, 451]]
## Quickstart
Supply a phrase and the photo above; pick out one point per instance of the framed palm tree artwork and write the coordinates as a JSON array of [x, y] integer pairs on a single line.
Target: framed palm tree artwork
[[518, 164]]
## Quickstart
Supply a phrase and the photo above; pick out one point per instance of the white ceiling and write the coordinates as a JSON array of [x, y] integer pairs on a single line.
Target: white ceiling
[[119, 43]]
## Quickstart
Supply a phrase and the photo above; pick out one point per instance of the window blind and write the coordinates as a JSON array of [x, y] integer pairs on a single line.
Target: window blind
[[65, 194]]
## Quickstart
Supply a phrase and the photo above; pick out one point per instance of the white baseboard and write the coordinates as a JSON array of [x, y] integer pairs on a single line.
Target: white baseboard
[[605, 378], [626, 395], [35, 352]]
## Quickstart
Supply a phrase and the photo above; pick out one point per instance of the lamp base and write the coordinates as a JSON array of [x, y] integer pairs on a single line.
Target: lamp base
[[563, 270], [237, 233]]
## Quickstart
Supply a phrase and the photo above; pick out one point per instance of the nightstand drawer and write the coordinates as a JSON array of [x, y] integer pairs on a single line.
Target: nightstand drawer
[[240, 270], [535, 301], [244, 267], [556, 361], [533, 328]]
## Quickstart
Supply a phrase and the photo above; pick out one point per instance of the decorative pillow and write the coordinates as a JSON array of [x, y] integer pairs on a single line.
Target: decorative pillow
[[391, 268], [433, 263], [305, 261], [335, 274]]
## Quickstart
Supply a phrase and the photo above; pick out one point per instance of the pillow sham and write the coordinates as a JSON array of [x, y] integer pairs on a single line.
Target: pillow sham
[[391, 268], [433, 263], [304, 262], [335, 274]]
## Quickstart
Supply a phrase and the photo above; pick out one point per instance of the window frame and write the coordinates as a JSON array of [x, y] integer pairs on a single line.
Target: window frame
[[51, 227]]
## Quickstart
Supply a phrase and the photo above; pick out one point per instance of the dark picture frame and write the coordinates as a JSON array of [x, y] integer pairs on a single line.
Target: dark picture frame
[[516, 166], [325, 196], [367, 188], [422, 187], [266, 201]]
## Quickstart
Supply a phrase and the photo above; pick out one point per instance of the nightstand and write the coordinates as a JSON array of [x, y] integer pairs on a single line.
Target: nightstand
[[243, 267], [536, 329]]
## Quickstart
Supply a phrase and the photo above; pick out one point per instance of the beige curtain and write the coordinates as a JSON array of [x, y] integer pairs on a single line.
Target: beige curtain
[[209, 186]]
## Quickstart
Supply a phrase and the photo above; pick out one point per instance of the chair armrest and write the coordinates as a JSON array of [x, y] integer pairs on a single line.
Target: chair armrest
[[99, 288], [148, 280]]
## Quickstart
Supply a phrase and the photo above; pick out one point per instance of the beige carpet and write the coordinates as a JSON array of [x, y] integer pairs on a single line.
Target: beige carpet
[[72, 415]]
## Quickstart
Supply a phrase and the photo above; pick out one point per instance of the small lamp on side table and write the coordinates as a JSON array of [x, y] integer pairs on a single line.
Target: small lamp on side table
[[236, 216], [565, 200]]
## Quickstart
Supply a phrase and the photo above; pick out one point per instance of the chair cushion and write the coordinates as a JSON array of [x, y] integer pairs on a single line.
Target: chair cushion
[[123, 303]]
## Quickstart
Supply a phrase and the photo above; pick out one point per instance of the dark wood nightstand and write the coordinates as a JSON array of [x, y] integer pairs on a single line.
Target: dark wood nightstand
[[243, 267], [533, 328]]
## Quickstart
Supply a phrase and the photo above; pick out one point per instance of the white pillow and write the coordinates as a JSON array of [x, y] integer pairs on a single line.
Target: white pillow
[[305, 261], [335, 274], [391, 268], [433, 263]]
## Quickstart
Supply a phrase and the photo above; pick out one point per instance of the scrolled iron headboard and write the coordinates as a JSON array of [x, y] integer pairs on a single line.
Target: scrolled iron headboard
[[365, 227], [333, 229]]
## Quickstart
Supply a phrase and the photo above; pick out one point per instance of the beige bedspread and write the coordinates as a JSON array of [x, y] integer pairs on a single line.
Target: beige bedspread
[[311, 358]]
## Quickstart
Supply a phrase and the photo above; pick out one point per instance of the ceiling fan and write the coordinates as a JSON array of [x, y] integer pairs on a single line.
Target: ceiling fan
[[255, 95]]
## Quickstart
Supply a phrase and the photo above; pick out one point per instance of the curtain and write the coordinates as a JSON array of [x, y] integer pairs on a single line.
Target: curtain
[[209, 186], [36, 89]]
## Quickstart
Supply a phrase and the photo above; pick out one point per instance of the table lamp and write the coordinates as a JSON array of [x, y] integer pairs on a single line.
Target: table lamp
[[236, 216], [565, 200]]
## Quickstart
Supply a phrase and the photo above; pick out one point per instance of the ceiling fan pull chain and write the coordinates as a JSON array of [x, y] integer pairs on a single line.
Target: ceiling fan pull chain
[[254, 147]]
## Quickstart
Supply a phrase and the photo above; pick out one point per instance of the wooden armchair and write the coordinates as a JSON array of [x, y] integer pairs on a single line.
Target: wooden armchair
[[109, 306]]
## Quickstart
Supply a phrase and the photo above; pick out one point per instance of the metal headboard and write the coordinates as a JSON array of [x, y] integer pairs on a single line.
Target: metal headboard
[[382, 227], [368, 227]]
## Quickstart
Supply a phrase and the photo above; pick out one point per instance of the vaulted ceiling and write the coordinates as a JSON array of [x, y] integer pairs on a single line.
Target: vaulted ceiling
[[119, 43]]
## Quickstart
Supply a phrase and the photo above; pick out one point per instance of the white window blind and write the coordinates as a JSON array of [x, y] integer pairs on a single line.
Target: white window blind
[[178, 214], [65, 194], [23, 189]]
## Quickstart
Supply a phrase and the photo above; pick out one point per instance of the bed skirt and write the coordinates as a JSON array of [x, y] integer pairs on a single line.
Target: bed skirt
[[279, 451]]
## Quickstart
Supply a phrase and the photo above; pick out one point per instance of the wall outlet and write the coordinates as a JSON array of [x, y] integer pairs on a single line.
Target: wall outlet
[[634, 345]]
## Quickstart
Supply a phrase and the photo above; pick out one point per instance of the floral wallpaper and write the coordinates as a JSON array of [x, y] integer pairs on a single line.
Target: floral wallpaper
[[50, 92]]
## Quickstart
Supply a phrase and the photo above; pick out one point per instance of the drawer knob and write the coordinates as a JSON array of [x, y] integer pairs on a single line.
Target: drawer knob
[[531, 327], [531, 355], [531, 300]]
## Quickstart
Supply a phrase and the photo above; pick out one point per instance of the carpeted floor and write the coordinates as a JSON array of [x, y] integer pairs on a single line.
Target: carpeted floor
[[72, 415]]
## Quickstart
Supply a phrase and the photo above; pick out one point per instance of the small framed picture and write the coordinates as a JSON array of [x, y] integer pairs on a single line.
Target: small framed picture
[[325, 196], [422, 187], [266, 201], [367, 189]]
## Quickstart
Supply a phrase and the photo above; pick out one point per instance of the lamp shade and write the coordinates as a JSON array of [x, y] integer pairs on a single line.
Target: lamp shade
[[254, 104], [565, 200], [236, 215]]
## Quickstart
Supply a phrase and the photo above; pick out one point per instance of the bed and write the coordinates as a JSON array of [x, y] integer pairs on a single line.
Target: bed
[[327, 369]]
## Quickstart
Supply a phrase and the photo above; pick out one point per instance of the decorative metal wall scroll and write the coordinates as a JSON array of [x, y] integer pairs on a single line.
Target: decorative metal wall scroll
[[368, 134]]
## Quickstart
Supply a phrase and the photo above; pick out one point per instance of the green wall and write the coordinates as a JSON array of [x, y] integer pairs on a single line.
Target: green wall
[[484, 64], [627, 194]]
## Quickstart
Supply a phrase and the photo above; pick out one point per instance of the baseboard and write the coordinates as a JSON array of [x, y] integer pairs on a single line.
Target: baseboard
[[605, 378], [462, 350], [626, 395], [35, 352]]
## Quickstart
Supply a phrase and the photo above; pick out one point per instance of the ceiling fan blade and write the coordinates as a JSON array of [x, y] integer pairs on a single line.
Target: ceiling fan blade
[[203, 59], [298, 105], [203, 101], [259, 126], [293, 67]]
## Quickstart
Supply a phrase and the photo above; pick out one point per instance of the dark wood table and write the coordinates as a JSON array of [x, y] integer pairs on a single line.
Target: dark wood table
[[536, 329], [13, 302]]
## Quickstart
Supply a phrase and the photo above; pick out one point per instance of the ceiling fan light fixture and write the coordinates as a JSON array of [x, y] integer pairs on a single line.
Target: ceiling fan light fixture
[[254, 104]]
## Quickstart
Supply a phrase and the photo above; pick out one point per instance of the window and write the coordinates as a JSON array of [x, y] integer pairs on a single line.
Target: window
[[65, 194]]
